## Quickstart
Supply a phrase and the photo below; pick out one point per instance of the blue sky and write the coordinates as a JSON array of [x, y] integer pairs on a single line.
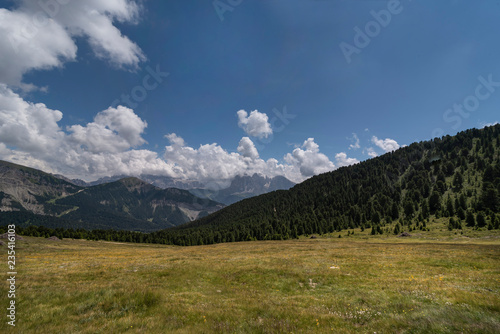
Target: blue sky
[[356, 79]]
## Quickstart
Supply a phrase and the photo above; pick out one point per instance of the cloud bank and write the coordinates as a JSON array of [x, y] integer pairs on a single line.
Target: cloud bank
[[39, 35], [30, 134]]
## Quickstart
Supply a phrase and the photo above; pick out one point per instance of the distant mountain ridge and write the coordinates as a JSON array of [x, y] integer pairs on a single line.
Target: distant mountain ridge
[[241, 187], [129, 203], [156, 180]]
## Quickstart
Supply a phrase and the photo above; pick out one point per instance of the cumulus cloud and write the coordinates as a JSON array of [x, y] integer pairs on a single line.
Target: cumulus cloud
[[256, 124], [30, 135], [208, 162], [355, 145], [371, 152], [113, 130], [175, 139], [387, 144], [39, 35], [309, 160], [247, 148], [212, 164], [342, 160], [27, 126]]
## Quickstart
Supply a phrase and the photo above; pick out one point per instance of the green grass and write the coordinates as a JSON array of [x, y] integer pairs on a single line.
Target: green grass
[[432, 282]]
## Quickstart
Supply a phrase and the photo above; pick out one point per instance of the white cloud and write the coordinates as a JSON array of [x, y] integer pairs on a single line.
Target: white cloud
[[208, 162], [371, 152], [175, 140], [355, 139], [24, 47], [113, 130], [387, 144], [486, 124], [308, 160], [30, 135], [27, 126], [40, 35], [342, 160], [247, 148], [212, 164], [256, 125]]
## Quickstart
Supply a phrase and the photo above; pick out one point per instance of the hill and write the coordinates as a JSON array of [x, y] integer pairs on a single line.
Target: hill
[[24, 188], [29, 196], [456, 177]]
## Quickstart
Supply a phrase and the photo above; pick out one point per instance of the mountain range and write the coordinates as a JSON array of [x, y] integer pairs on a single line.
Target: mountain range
[[241, 187], [454, 180], [129, 203], [454, 177]]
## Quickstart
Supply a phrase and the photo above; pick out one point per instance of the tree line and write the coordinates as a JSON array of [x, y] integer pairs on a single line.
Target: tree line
[[456, 177]]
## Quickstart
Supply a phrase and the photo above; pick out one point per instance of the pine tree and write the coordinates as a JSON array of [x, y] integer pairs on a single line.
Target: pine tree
[[397, 228], [458, 180], [425, 210], [394, 211], [451, 224], [489, 197], [409, 209], [470, 220], [449, 207], [463, 201], [480, 220], [434, 202]]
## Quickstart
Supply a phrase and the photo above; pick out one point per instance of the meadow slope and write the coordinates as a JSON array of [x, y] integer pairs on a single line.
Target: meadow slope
[[439, 283]]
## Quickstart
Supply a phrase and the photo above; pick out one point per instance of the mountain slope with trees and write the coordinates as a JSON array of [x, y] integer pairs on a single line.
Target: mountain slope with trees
[[457, 177], [32, 197], [24, 188]]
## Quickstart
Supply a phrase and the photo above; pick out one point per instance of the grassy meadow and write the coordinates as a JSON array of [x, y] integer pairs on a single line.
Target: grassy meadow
[[432, 282]]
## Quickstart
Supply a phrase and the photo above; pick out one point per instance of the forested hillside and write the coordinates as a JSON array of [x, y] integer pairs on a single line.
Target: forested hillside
[[32, 197], [454, 176]]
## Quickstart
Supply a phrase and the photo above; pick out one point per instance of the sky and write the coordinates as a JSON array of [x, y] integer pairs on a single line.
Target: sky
[[206, 90]]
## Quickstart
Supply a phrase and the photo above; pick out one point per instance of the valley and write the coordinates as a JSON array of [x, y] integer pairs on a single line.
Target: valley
[[432, 282]]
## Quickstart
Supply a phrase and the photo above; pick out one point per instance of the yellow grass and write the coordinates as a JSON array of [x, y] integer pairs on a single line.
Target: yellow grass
[[325, 285]]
